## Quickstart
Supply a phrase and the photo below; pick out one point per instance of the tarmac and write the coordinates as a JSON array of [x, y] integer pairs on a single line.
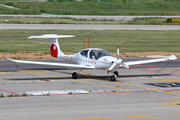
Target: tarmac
[[92, 17], [144, 92], [87, 27]]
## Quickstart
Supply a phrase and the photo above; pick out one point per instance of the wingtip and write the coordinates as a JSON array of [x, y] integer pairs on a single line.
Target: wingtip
[[9, 59], [172, 57]]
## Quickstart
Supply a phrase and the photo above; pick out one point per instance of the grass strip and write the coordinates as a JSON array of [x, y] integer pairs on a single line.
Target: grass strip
[[68, 20], [105, 7], [129, 40]]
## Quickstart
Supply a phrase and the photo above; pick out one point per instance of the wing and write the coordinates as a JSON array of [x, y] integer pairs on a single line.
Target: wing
[[51, 64], [172, 57]]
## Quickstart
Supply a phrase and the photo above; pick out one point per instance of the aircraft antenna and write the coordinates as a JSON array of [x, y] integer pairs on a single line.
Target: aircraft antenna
[[117, 53]]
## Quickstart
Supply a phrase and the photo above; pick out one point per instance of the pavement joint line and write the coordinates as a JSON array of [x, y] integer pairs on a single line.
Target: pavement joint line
[[81, 81], [126, 117]]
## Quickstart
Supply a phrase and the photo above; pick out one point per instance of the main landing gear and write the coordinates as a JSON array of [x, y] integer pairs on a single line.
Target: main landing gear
[[74, 75]]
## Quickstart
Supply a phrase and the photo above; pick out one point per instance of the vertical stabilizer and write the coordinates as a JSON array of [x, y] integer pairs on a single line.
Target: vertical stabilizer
[[54, 44], [54, 48]]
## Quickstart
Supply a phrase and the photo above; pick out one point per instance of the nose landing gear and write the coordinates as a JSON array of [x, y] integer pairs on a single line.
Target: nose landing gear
[[115, 75]]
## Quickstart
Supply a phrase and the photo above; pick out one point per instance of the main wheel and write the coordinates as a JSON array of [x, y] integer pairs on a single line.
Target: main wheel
[[74, 75], [116, 73], [113, 78]]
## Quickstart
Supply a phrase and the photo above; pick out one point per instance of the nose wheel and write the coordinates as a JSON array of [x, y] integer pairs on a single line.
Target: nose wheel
[[115, 75], [113, 78], [74, 75]]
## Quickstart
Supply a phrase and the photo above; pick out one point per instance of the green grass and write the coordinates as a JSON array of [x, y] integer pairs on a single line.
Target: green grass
[[127, 40], [68, 20], [23, 0], [130, 7], [151, 21], [54, 20]]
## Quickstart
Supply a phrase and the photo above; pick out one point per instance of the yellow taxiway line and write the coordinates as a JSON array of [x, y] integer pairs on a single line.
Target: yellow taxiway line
[[3, 72], [126, 117]]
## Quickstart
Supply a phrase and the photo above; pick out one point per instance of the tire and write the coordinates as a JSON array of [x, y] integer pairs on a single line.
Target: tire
[[116, 73], [74, 75], [113, 78]]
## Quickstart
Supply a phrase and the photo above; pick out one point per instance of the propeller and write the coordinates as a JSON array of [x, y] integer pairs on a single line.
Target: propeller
[[117, 53], [115, 63], [124, 65]]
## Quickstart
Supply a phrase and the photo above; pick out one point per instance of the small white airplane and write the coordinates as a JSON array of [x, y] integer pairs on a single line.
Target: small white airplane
[[92, 58]]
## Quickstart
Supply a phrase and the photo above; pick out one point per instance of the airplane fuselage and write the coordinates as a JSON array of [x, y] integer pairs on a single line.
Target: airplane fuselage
[[103, 62]]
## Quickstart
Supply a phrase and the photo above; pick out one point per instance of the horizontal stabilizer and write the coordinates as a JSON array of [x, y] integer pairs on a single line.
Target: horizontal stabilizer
[[51, 36]]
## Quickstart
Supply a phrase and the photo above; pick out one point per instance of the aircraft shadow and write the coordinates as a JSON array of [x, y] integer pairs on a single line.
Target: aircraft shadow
[[146, 75], [81, 76]]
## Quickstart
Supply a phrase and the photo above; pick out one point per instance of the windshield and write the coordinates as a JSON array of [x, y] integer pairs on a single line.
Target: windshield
[[96, 54]]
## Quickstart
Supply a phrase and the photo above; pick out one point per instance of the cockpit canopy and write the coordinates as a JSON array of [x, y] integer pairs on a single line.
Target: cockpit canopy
[[94, 53]]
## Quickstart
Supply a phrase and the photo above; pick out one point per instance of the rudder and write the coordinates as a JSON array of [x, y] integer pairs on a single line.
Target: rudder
[[54, 48]]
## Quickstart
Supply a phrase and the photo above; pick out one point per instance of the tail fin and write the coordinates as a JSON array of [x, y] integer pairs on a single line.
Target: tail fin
[[54, 45]]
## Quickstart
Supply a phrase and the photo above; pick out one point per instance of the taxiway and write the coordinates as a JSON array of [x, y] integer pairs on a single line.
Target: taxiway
[[89, 27], [143, 92]]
